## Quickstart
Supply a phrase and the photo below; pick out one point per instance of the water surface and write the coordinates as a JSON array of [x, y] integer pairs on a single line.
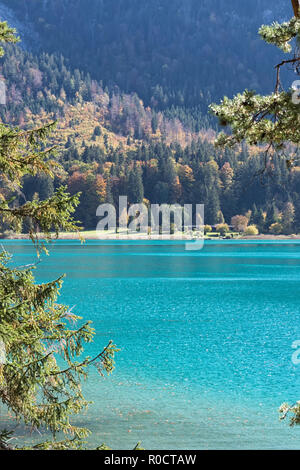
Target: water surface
[[205, 337]]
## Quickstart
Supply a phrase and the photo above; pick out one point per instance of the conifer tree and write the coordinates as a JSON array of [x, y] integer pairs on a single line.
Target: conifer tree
[[271, 217], [135, 186], [212, 207], [42, 365], [254, 215], [260, 220], [288, 217]]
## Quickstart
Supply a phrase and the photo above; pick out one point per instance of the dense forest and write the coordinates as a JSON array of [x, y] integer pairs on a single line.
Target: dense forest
[[129, 83], [169, 53]]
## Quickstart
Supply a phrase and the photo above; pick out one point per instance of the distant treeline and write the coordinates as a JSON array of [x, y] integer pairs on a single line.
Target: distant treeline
[[228, 183]]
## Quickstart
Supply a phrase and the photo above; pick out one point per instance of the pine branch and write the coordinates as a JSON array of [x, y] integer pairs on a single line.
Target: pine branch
[[103, 356]]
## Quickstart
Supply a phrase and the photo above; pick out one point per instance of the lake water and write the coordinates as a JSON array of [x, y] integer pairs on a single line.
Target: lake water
[[205, 337]]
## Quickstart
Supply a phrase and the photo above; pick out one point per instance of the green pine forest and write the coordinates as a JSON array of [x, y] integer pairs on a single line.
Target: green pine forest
[[129, 84]]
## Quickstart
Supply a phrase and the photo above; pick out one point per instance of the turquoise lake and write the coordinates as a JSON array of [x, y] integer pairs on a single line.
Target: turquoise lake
[[205, 337]]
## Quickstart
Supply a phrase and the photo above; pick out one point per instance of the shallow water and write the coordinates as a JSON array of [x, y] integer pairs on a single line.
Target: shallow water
[[205, 336]]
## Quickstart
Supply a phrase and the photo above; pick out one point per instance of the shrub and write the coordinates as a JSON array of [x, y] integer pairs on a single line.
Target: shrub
[[222, 229], [207, 229], [251, 230]]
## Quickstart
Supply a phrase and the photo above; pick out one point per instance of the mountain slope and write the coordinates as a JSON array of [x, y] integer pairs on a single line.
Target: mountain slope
[[94, 55], [25, 29], [169, 53]]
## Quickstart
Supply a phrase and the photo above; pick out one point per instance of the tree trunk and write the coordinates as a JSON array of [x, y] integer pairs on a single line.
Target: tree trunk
[[296, 6]]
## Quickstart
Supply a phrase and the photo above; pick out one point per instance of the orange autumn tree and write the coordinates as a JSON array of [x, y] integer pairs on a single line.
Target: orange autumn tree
[[93, 192]]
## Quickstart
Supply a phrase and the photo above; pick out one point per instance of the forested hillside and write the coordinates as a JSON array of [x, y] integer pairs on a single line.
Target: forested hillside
[[168, 52], [129, 83]]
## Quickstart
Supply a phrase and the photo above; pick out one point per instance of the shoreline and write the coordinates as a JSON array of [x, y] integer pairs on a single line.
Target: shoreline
[[91, 236]]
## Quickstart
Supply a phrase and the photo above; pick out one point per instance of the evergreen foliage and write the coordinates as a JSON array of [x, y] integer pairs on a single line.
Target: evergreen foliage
[[40, 378]]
